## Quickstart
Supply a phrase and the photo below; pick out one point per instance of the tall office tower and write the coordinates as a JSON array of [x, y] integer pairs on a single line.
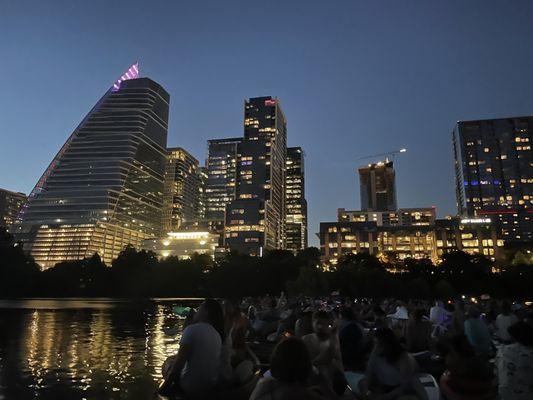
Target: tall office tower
[[182, 187], [378, 187], [296, 204], [255, 220], [494, 173], [10, 205], [201, 201], [220, 187], [104, 188]]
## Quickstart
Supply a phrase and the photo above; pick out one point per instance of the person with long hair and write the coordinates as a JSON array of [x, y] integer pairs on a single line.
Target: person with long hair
[[391, 371], [195, 369], [290, 376]]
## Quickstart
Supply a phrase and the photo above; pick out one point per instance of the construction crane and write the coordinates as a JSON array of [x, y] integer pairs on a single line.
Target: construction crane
[[387, 154]]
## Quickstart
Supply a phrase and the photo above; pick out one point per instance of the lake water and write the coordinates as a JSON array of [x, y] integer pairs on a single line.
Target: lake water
[[85, 349]]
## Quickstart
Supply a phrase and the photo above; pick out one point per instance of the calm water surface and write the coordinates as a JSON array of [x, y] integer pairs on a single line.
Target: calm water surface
[[85, 349]]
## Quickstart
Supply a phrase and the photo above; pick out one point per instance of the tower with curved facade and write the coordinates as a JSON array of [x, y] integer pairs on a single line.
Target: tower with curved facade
[[104, 188]]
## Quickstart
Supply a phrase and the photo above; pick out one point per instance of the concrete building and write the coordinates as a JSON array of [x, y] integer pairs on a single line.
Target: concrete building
[[10, 206], [409, 240], [377, 184], [183, 244]]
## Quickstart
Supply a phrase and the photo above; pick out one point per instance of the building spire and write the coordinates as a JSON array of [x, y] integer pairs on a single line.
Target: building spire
[[131, 73]]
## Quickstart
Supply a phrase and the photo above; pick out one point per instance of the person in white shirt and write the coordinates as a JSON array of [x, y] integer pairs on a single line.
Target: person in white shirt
[[503, 321], [196, 368]]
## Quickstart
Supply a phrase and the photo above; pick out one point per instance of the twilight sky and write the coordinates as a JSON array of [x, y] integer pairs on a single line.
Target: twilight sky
[[354, 78]]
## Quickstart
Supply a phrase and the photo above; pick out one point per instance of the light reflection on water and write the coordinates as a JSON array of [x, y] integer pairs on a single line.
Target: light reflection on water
[[84, 349]]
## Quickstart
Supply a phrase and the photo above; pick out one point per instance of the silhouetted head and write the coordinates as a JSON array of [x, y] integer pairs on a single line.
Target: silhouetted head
[[290, 362], [506, 307], [462, 346], [388, 345], [211, 313], [347, 313], [522, 332], [323, 323]]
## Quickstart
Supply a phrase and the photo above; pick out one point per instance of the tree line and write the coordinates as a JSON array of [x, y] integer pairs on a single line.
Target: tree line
[[140, 274]]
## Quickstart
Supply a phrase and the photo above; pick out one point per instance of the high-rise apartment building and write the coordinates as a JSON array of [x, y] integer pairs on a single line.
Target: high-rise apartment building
[[494, 173], [104, 189], [255, 220], [182, 189], [220, 187], [378, 187], [10, 205], [296, 204]]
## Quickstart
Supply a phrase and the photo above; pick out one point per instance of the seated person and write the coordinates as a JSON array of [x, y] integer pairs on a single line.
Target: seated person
[[503, 321], [468, 374], [195, 369], [391, 372], [324, 349], [515, 364], [477, 332], [418, 333], [290, 375], [351, 341]]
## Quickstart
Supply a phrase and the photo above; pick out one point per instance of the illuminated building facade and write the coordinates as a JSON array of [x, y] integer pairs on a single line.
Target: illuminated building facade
[[104, 189], [221, 181], [10, 205], [255, 220], [183, 190], [183, 244], [401, 217], [494, 173], [296, 204], [377, 184], [473, 236]]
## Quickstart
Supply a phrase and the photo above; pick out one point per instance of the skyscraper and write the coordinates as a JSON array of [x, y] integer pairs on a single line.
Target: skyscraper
[[10, 205], [494, 173], [182, 189], [296, 204], [378, 187], [255, 220], [104, 188], [221, 180]]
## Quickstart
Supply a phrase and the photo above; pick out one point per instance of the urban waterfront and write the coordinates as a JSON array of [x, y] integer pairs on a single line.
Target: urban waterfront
[[82, 349]]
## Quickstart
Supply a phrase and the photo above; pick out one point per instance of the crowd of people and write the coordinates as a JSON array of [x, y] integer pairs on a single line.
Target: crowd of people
[[332, 348]]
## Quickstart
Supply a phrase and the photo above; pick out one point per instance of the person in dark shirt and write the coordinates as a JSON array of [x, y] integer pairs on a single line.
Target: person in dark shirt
[[351, 341]]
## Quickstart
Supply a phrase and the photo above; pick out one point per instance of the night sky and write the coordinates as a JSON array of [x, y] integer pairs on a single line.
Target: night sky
[[354, 78]]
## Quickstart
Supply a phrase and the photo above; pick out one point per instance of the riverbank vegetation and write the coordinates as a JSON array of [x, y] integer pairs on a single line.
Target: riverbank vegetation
[[140, 274]]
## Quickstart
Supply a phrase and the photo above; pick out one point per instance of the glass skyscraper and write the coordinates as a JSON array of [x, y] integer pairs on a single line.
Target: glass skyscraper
[[182, 190], [494, 173], [296, 204], [255, 220], [104, 189], [221, 180]]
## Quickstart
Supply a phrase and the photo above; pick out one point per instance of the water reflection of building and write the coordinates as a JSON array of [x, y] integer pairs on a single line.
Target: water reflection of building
[[92, 353]]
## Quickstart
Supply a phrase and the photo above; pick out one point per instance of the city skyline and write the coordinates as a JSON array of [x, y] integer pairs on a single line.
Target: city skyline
[[359, 112]]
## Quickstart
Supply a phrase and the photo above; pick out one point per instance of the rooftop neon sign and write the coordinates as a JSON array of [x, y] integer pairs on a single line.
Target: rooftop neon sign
[[131, 73]]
